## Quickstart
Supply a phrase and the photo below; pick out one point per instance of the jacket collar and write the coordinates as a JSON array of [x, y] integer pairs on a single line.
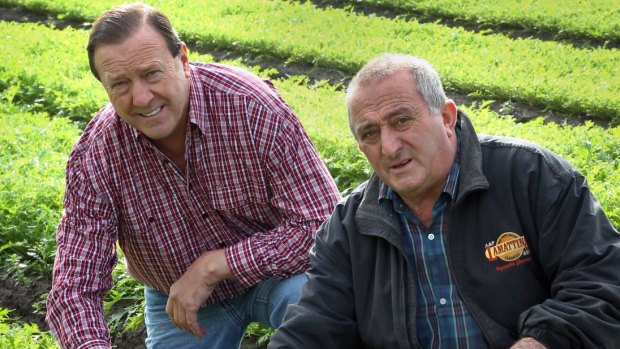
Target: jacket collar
[[472, 177], [372, 219]]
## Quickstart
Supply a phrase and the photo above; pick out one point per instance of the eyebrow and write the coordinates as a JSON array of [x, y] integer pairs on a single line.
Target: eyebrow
[[145, 68], [401, 110], [392, 114], [363, 128]]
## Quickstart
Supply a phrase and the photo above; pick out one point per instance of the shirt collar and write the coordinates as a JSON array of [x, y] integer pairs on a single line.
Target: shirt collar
[[197, 100]]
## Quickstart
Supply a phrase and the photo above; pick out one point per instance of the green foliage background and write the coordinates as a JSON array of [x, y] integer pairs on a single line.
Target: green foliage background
[[47, 94]]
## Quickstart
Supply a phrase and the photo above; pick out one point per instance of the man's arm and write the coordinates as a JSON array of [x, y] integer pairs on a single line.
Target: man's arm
[[579, 250], [195, 286], [85, 257], [302, 191]]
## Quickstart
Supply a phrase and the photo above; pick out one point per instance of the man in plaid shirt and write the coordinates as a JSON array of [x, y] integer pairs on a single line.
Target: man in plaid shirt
[[206, 179]]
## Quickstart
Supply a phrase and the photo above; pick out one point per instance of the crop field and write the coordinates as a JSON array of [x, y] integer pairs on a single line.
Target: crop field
[[537, 70]]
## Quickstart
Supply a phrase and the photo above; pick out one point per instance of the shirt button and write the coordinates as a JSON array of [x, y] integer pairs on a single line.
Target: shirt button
[[431, 236], [443, 301]]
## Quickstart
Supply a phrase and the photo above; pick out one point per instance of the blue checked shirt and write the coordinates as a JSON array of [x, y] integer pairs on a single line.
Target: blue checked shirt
[[442, 320]]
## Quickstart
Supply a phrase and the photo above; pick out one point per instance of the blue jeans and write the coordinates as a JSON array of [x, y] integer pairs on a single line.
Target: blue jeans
[[225, 322]]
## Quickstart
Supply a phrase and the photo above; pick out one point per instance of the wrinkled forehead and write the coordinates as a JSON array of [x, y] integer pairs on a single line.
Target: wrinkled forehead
[[372, 79], [141, 49], [390, 88]]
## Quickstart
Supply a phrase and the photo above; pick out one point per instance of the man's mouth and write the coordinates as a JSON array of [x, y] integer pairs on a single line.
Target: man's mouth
[[401, 164], [153, 112]]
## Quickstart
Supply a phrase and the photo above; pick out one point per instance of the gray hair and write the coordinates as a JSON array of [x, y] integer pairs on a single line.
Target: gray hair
[[425, 77]]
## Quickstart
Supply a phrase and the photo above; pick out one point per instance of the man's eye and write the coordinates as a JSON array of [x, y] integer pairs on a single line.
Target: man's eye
[[153, 74], [369, 135], [118, 85], [402, 123]]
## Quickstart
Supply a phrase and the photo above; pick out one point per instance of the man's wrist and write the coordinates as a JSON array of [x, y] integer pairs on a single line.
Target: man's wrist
[[216, 267]]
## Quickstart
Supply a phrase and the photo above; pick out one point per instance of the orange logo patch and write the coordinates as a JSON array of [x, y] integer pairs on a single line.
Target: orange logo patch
[[508, 247]]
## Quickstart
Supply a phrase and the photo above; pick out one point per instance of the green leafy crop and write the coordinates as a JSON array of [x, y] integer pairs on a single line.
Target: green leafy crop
[[545, 74]]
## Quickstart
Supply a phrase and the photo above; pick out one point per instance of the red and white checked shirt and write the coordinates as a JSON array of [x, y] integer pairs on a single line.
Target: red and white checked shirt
[[254, 184]]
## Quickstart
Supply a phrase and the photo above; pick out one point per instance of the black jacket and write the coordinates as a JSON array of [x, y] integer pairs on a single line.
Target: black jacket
[[529, 248]]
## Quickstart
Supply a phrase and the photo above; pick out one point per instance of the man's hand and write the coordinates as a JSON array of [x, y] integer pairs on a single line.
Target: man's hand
[[528, 343], [192, 289]]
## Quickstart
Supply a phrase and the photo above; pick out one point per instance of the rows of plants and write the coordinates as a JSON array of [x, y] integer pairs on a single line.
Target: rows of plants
[[546, 74], [45, 85], [598, 20], [319, 106], [32, 181]]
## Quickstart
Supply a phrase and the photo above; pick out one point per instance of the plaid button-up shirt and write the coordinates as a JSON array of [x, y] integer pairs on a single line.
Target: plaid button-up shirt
[[254, 185]]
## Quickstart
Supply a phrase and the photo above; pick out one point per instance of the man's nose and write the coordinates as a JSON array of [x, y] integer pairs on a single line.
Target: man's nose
[[141, 94], [390, 142]]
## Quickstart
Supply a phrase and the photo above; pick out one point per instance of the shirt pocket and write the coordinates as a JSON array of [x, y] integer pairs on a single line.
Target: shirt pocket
[[245, 208], [229, 198], [247, 191]]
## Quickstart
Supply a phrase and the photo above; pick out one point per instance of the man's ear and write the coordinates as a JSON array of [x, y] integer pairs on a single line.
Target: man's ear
[[184, 58], [449, 116], [449, 113]]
